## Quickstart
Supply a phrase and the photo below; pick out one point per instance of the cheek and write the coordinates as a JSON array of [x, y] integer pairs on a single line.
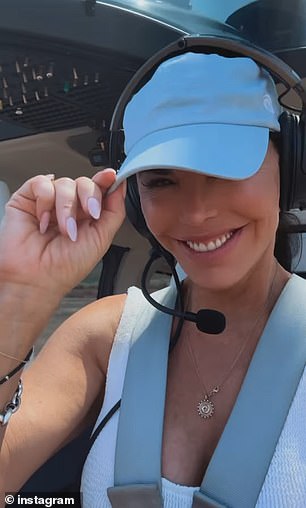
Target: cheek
[[264, 187], [263, 203], [154, 213]]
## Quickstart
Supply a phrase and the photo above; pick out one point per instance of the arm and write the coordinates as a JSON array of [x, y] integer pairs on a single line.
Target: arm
[[63, 391], [41, 259]]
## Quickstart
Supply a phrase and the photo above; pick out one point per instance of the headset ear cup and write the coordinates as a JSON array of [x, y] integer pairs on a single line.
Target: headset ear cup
[[293, 180], [287, 161]]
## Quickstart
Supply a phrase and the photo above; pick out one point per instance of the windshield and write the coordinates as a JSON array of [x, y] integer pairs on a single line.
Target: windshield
[[214, 9], [276, 25]]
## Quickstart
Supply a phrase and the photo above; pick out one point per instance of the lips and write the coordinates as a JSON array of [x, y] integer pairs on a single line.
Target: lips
[[211, 245]]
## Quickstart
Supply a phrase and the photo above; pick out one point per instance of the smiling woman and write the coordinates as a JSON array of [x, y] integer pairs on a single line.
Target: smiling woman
[[207, 180], [218, 230], [209, 188]]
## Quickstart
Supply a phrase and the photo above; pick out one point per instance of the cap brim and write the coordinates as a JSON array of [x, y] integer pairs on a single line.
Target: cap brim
[[226, 151]]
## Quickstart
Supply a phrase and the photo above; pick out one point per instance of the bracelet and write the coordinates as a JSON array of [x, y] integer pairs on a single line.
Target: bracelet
[[12, 357], [12, 406], [14, 371]]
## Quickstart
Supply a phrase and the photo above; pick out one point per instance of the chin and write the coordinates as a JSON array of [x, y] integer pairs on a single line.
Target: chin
[[215, 282]]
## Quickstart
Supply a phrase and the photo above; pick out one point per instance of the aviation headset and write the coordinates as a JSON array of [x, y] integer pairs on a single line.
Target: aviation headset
[[292, 134]]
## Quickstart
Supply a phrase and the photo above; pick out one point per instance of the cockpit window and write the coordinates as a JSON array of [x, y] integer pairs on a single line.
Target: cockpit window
[[276, 25]]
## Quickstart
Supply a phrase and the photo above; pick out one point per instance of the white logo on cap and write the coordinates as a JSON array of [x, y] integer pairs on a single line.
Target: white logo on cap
[[267, 102]]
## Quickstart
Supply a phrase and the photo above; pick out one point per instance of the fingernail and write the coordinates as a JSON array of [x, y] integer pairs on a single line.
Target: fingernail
[[51, 176], [71, 227], [44, 222], [94, 207]]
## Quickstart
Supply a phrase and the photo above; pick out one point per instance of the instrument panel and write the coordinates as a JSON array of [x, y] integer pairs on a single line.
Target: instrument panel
[[47, 86]]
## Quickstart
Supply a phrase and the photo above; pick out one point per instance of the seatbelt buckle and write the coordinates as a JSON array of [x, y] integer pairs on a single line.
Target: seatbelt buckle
[[135, 496], [201, 500]]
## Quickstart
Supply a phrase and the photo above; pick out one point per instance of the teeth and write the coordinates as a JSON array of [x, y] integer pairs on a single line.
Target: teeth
[[212, 245]]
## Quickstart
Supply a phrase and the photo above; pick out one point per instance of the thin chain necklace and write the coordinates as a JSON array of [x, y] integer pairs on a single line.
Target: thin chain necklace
[[206, 407]]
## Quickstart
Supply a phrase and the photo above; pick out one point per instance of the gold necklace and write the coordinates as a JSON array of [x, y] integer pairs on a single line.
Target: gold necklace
[[206, 407]]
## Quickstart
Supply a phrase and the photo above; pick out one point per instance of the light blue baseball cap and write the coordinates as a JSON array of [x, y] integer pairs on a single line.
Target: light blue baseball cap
[[203, 113]]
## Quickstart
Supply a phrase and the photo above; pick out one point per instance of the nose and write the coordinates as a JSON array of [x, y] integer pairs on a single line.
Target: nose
[[199, 201]]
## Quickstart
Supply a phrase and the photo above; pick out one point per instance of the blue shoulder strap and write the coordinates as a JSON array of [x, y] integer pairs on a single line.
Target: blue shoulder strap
[[253, 429], [139, 438], [247, 444]]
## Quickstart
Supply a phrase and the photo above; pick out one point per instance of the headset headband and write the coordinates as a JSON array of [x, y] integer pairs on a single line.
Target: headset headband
[[206, 43], [293, 170]]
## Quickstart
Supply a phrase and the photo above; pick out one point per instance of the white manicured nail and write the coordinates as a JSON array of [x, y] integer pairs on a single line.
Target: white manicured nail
[[94, 207], [72, 230]]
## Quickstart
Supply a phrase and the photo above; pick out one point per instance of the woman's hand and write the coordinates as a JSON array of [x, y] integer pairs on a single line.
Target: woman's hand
[[55, 231]]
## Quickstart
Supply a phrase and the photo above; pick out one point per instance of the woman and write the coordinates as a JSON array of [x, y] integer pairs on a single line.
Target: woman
[[197, 136]]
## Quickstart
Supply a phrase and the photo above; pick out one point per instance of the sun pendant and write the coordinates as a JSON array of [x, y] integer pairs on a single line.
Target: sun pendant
[[206, 408]]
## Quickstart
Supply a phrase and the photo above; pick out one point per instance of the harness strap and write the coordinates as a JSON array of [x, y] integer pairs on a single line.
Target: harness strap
[[241, 460], [140, 428], [236, 473]]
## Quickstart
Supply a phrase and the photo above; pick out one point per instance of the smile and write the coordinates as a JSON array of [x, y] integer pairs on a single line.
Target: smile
[[211, 245]]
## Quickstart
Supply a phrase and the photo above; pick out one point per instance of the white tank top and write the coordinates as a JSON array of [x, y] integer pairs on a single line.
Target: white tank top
[[285, 482]]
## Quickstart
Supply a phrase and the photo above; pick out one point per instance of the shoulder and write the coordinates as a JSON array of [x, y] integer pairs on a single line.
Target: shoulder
[[95, 326]]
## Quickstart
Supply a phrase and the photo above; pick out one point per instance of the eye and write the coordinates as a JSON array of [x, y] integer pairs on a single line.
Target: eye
[[157, 182]]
